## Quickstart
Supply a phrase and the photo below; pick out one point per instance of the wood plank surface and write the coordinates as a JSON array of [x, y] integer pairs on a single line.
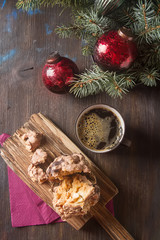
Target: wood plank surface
[[25, 44]]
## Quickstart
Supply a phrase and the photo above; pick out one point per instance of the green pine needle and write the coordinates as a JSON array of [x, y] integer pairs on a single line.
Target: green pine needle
[[150, 78], [92, 23], [70, 31], [95, 80], [147, 22], [87, 26], [33, 4]]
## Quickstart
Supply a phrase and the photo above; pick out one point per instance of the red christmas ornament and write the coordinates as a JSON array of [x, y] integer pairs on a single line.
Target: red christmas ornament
[[115, 50], [58, 73]]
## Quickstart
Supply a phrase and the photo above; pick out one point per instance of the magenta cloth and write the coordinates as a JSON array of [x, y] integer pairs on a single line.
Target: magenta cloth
[[26, 207]]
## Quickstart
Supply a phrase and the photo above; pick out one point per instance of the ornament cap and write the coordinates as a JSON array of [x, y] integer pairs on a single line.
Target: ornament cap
[[125, 33], [54, 57]]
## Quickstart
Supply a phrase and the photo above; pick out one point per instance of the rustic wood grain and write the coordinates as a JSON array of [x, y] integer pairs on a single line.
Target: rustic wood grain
[[55, 143], [134, 170], [110, 223]]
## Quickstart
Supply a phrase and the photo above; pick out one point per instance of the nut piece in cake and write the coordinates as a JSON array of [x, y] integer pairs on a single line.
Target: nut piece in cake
[[74, 196], [67, 165], [32, 140], [39, 157], [36, 174]]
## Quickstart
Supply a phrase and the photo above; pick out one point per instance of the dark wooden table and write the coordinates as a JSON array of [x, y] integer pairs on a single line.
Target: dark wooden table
[[26, 39]]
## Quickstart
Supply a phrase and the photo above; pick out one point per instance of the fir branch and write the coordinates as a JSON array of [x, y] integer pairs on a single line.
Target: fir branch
[[29, 4], [147, 25], [145, 12], [124, 16], [157, 6], [88, 26], [119, 84], [95, 80], [144, 15], [69, 31], [128, 16], [33, 4], [153, 56], [91, 22], [152, 34], [149, 55], [78, 32], [88, 83], [88, 46], [149, 77], [158, 10]]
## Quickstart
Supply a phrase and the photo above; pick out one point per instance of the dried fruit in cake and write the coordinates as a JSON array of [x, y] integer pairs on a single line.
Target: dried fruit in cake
[[32, 140], [67, 165], [74, 196], [36, 174], [39, 157]]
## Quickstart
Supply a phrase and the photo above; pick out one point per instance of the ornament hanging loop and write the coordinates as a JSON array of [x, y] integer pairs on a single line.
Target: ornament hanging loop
[[54, 57], [125, 33]]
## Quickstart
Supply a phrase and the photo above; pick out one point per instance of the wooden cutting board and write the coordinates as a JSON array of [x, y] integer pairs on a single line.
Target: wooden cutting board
[[56, 143]]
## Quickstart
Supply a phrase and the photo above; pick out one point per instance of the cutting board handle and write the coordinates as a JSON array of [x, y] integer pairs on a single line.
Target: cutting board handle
[[110, 224]]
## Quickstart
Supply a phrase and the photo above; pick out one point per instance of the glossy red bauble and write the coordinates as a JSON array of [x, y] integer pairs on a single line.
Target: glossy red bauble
[[115, 50], [58, 73]]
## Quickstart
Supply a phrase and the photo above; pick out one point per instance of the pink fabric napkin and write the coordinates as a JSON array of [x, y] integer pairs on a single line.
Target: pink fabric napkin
[[26, 207]]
